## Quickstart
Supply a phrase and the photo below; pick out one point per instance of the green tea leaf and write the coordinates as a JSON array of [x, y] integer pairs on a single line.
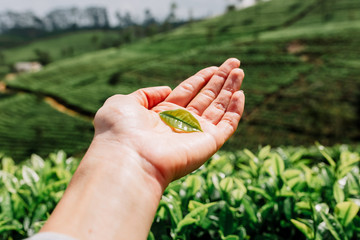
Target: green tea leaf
[[339, 194], [251, 155], [277, 166], [180, 119], [304, 228], [185, 222], [231, 237], [345, 212], [238, 193], [173, 208], [8, 165], [296, 156], [322, 207], [193, 184], [11, 182], [151, 236], [260, 191], [322, 150], [194, 204], [266, 209], [226, 221], [30, 178], [333, 226], [227, 184], [291, 173], [5, 205], [293, 177], [349, 159], [40, 213], [264, 152], [195, 216], [172, 202], [37, 162], [303, 205], [250, 209]]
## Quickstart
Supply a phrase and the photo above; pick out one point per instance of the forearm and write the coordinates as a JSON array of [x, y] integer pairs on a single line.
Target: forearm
[[114, 194]]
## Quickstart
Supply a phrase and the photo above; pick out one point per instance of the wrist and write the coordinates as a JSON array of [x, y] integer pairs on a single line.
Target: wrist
[[122, 156], [114, 192]]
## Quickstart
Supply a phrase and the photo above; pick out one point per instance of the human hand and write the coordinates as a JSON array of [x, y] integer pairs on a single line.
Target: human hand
[[134, 155], [132, 121]]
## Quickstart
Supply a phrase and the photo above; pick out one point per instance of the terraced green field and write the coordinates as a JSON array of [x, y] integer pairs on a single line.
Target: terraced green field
[[61, 46], [28, 125], [302, 75]]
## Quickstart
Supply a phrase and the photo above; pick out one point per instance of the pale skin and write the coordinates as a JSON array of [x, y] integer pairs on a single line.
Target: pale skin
[[115, 192]]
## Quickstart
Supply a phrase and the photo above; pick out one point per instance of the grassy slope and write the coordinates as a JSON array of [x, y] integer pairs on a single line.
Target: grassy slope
[[292, 98], [60, 46], [29, 125]]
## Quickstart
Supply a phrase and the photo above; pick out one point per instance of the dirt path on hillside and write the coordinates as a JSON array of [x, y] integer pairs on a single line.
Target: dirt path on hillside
[[64, 109], [53, 102]]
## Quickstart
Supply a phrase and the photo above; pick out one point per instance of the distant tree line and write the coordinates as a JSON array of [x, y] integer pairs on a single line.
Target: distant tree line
[[20, 28], [59, 19], [74, 18]]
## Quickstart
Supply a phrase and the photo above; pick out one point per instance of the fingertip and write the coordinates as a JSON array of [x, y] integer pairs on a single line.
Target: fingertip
[[241, 95], [238, 72], [214, 68], [228, 66], [237, 102], [167, 90], [234, 62], [242, 72], [241, 92], [206, 73]]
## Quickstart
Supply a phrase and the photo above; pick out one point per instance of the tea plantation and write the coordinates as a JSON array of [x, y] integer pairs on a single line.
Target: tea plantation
[[300, 59], [302, 67], [279, 193]]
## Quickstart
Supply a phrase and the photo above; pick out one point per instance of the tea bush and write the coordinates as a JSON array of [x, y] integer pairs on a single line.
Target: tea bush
[[30, 191], [280, 193]]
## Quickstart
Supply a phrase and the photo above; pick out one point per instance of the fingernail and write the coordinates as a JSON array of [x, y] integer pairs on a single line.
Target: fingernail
[[242, 91]]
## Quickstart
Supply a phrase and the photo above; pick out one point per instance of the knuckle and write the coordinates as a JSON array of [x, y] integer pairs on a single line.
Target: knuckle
[[222, 73], [209, 93], [188, 87], [220, 106], [226, 93]]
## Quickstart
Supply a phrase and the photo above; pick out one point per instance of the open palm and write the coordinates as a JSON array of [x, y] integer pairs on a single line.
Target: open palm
[[211, 95]]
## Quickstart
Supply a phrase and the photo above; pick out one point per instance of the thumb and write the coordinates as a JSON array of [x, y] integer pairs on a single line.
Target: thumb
[[149, 97]]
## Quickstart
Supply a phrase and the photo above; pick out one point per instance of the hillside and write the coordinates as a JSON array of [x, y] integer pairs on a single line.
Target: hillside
[[300, 59], [61, 46]]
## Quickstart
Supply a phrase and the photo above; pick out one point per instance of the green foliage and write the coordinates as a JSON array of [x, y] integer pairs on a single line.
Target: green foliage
[[30, 191], [272, 194]]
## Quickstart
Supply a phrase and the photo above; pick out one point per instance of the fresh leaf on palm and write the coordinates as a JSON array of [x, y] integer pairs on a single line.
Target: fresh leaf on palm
[[181, 120]]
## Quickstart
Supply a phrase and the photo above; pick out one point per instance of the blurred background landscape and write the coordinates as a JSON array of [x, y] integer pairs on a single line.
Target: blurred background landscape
[[301, 61]]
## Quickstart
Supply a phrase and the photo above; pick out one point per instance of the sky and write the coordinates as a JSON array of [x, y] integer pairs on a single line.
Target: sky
[[159, 8]]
